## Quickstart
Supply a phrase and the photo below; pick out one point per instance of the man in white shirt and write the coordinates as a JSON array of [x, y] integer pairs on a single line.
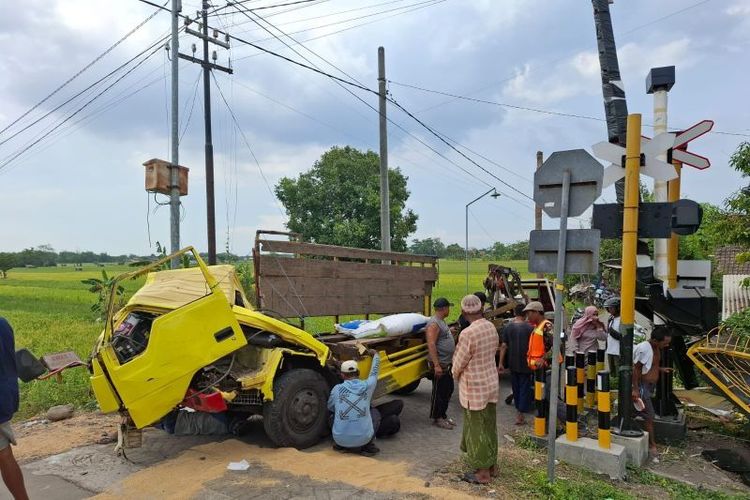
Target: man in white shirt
[[612, 305], [646, 358]]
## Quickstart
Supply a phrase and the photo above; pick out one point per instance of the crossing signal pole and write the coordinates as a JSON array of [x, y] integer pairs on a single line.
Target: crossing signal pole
[[207, 65]]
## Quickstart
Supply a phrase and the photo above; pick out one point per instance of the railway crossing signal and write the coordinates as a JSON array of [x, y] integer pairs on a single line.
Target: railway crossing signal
[[650, 165], [680, 144]]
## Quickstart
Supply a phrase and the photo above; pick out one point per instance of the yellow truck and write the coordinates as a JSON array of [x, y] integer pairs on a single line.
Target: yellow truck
[[191, 338]]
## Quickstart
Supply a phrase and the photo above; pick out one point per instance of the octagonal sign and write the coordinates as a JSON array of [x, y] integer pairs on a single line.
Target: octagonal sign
[[585, 182]]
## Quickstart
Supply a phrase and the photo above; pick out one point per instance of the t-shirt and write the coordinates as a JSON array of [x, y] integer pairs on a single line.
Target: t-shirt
[[8, 373], [350, 403], [613, 345], [644, 353], [516, 337], [445, 344]]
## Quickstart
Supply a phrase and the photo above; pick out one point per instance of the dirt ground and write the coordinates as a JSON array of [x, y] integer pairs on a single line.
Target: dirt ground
[[420, 462]]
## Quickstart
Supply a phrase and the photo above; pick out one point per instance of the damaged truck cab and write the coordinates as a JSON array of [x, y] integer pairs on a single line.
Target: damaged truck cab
[[190, 338]]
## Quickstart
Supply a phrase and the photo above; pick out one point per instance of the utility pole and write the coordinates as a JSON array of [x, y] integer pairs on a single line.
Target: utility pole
[[385, 203], [174, 173], [537, 207], [615, 105], [209, 148]]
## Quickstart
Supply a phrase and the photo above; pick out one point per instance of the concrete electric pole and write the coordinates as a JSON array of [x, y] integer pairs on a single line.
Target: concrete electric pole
[[174, 179], [385, 203], [209, 148], [537, 207]]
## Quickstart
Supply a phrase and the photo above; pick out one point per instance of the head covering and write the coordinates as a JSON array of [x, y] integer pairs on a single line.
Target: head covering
[[349, 366], [612, 302], [441, 303], [587, 322], [534, 306], [471, 304]]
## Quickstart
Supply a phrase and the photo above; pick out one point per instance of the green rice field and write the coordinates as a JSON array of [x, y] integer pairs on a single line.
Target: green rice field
[[50, 311]]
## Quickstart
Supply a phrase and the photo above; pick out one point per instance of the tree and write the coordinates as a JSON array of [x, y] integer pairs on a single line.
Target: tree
[[737, 206], [7, 262], [428, 246], [337, 201]]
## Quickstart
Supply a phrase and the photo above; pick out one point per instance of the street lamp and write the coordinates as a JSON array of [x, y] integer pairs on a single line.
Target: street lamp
[[495, 194]]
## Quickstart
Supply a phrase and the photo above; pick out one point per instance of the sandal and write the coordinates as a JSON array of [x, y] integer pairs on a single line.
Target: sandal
[[471, 478], [443, 424]]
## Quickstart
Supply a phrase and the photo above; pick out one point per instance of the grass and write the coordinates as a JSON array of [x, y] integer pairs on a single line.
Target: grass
[[49, 309]]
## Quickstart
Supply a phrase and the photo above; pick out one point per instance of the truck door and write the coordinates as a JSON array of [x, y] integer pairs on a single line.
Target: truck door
[[180, 343]]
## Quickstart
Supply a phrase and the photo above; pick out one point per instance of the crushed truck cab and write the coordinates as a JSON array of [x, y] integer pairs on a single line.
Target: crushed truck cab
[[191, 338]]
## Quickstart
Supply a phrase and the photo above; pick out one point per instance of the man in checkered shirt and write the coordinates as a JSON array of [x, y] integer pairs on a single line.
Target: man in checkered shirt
[[474, 368]]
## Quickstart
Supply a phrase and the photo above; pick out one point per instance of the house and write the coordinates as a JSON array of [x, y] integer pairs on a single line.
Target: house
[[735, 297]]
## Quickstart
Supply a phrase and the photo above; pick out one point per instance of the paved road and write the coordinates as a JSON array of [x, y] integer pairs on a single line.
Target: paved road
[[409, 459]]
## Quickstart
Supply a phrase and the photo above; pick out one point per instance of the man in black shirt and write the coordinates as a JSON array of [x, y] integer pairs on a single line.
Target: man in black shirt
[[515, 341], [9, 469]]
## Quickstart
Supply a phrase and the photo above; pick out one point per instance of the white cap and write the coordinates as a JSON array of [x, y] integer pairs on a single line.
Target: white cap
[[349, 366]]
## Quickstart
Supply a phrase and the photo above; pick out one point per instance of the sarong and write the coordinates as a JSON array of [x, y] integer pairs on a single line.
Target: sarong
[[479, 439]]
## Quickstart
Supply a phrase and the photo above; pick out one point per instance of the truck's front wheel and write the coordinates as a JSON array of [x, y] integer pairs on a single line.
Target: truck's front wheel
[[298, 415]]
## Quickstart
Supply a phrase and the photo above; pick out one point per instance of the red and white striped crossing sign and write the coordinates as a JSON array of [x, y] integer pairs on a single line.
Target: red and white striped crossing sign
[[680, 144]]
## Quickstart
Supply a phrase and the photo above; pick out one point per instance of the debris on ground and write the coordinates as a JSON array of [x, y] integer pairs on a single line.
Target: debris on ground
[[60, 412], [242, 465]]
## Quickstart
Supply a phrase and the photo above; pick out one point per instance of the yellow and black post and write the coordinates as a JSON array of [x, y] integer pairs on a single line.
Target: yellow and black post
[[602, 388], [581, 379], [590, 379], [627, 283], [600, 355], [570, 360], [571, 405], [540, 420]]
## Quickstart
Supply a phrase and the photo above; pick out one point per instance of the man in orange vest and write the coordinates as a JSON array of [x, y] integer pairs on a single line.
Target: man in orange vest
[[540, 342]]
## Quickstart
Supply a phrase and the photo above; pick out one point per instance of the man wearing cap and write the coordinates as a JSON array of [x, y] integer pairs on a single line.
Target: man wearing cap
[[353, 428], [440, 345], [11, 472], [540, 342], [474, 368]]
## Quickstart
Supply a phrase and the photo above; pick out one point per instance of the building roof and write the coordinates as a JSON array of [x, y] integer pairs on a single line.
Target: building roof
[[735, 297], [726, 260]]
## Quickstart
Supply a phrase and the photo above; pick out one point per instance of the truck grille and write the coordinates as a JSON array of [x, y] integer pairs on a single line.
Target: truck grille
[[248, 398]]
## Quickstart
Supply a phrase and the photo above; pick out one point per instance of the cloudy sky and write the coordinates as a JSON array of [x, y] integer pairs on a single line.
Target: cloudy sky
[[81, 186]]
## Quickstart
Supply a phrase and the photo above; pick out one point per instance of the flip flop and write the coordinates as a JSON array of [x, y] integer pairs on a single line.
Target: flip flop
[[471, 478]]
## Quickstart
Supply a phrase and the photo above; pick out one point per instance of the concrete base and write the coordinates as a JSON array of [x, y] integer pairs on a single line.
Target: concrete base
[[586, 453], [671, 430], [636, 448], [541, 442]]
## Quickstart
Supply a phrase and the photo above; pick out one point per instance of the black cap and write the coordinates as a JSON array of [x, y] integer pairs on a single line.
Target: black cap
[[441, 302]]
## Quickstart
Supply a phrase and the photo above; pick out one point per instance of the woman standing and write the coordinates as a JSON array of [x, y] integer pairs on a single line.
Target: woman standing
[[586, 332]]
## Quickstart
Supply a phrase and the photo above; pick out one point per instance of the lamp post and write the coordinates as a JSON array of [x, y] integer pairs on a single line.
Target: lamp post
[[495, 194]]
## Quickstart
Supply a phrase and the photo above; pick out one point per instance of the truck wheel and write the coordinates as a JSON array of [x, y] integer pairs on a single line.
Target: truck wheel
[[408, 389], [298, 414]]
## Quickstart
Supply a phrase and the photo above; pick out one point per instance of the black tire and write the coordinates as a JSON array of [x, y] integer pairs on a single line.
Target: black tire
[[298, 415], [408, 389]]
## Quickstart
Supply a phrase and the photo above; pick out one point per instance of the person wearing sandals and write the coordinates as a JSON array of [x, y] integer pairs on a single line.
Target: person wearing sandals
[[440, 346], [474, 368]]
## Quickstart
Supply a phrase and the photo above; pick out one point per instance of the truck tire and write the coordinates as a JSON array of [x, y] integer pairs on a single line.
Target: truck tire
[[298, 415], [408, 389]]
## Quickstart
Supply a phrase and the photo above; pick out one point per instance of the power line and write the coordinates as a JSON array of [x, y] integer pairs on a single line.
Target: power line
[[393, 101], [81, 71], [534, 110], [69, 100], [10, 159], [359, 85], [247, 144], [277, 5]]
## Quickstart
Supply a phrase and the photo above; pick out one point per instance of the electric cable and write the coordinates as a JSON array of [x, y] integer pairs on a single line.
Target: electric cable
[[82, 70]]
